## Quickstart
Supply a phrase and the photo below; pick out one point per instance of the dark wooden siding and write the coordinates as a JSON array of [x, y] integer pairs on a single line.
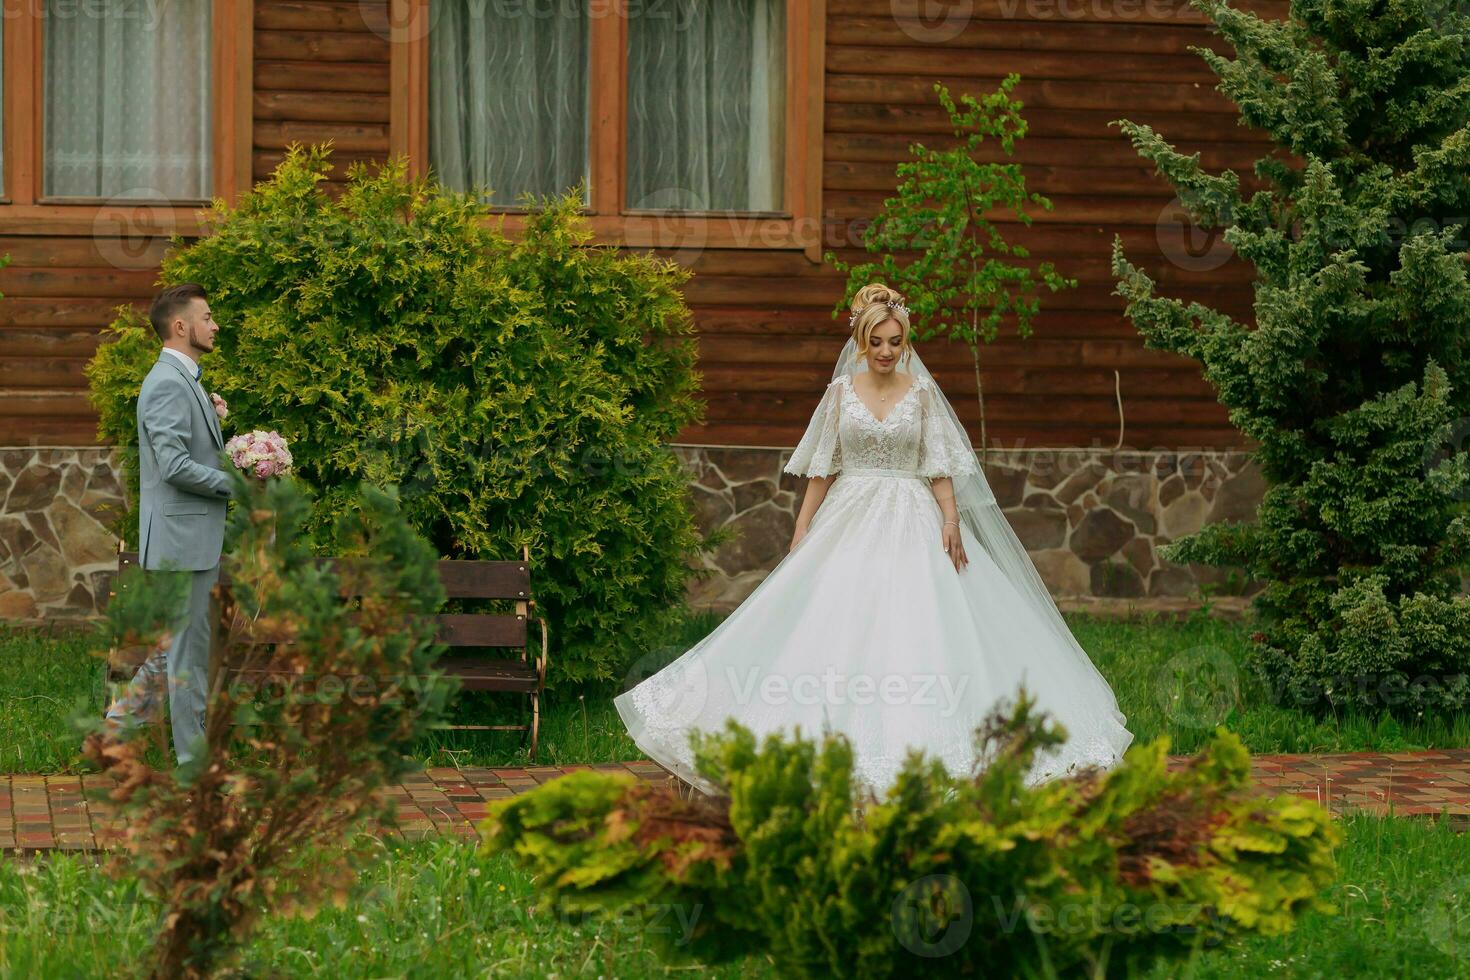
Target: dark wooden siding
[[321, 72], [1057, 388], [767, 339], [59, 292]]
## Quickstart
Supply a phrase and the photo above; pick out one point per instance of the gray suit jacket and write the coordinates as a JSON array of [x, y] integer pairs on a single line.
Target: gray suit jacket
[[182, 488]]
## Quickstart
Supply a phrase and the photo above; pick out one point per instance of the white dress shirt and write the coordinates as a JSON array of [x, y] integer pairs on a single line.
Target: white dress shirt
[[194, 370]]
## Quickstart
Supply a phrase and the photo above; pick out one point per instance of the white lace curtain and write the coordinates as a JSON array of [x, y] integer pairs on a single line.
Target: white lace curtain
[[706, 104], [127, 99], [509, 104], [2, 108], [508, 96]]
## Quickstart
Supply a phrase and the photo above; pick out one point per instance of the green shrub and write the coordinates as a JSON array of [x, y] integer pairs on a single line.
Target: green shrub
[[314, 701], [516, 392], [1102, 872], [1354, 378]]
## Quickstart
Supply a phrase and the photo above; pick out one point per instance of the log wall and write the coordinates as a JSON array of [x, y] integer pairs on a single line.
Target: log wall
[[767, 336]]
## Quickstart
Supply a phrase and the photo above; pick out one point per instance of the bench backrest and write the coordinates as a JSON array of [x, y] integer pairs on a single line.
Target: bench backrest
[[463, 579]]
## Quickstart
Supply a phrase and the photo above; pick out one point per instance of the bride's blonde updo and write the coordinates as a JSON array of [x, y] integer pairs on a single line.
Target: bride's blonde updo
[[876, 303]]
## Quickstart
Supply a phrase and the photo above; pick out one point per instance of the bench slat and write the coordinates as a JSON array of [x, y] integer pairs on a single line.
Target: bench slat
[[467, 579], [476, 674], [481, 630], [485, 579], [472, 579]]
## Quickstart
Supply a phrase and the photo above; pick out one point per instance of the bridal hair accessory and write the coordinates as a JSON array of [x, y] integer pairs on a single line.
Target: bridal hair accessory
[[891, 304]]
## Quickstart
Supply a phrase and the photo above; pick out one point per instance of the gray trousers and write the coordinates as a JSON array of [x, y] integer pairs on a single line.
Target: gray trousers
[[183, 669]]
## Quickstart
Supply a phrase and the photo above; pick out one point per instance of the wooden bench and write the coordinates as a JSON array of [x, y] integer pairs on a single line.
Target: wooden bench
[[504, 632]]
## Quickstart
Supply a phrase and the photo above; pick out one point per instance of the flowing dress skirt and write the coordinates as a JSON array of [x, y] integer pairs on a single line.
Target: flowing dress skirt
[[866, 628]]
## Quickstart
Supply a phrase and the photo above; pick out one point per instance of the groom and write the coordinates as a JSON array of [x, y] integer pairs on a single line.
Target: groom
[[182, 493]]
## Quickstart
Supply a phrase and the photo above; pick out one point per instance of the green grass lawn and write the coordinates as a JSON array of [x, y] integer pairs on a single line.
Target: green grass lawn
[[433, 909], [1172, 677]]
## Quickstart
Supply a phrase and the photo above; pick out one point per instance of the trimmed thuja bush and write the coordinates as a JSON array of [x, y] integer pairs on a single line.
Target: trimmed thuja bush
[[517, 392], [1102, 872], [315, 701], [1354, 378]]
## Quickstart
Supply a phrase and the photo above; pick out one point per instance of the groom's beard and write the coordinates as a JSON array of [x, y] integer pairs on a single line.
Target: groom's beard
[[200, 340]]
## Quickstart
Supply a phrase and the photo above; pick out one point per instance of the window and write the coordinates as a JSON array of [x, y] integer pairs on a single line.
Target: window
[[706, 105], [687, 120], [508, 98], [126, 100], [114, 104], [2, 108]]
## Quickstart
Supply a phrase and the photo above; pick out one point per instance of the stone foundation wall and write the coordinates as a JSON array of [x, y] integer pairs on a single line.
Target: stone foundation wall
[[56, 554], [1092, 520]]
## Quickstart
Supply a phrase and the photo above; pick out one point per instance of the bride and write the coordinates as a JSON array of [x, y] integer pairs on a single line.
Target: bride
[[906, 607]]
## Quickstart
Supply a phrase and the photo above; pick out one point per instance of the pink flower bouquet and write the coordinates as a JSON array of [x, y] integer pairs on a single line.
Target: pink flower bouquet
[[260, 454]]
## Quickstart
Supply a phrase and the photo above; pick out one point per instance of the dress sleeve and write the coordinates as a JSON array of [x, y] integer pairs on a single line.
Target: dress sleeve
[[819, 453], [944, 450]]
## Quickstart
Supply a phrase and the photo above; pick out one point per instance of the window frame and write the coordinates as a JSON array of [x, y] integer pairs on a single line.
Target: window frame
[[797, 227], [27, 210]]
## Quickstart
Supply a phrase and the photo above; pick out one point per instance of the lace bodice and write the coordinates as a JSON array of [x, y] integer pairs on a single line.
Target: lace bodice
[[916, 434]]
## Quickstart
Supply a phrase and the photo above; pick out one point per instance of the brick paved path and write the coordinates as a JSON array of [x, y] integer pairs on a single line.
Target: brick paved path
[[42, 812]]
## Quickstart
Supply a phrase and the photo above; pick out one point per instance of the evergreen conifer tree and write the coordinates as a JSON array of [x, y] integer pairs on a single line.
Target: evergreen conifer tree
[[1354, 379]]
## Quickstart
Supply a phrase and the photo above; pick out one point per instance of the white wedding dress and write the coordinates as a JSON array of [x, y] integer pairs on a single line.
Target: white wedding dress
[[866, 628]]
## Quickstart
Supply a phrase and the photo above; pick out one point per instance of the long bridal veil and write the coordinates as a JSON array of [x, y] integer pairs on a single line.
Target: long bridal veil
[[982, 516]]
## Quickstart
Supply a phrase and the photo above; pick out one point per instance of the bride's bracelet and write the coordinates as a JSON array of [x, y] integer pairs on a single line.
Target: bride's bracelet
[[955, 523]]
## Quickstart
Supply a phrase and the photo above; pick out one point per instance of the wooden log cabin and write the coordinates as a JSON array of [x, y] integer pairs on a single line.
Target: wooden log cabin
[[832, 92]]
